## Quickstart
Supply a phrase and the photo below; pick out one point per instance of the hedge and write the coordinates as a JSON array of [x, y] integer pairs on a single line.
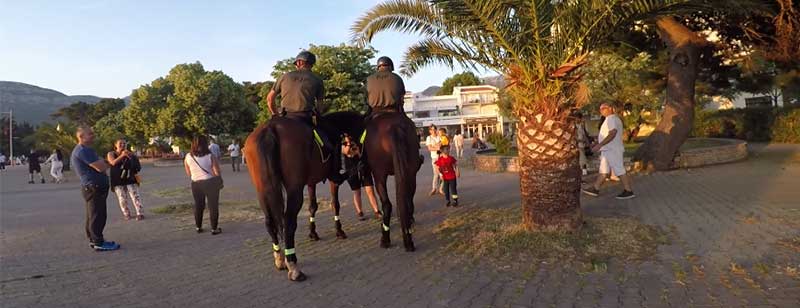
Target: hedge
[[751, 124]]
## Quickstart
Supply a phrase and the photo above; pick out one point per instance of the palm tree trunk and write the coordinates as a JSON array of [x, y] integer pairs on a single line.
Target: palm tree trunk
[[685, 47], [549, 173]]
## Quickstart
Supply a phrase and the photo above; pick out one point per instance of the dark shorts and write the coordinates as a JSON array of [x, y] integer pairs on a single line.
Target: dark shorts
[[354, 181], [34, 168]]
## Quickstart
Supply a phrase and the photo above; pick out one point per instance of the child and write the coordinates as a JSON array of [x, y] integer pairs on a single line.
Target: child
[[443, 137], [447, 166]]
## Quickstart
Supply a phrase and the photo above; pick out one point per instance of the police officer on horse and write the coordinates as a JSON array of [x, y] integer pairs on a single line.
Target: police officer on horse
[[385, 89]]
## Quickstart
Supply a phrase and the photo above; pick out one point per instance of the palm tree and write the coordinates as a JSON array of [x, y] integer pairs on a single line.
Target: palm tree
[[539, 46]]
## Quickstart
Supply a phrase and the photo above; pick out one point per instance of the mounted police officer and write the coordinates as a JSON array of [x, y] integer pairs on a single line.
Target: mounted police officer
[[385, 90], [301, 94]]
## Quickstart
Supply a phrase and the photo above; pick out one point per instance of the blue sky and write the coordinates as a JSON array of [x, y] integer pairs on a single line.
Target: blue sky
[[108, 48]]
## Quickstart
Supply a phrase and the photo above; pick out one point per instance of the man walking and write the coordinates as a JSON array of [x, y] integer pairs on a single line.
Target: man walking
[[214, 148], [236, 155], [34, 167], [433, 142], [94, 187], [458, 143], [611, 149]]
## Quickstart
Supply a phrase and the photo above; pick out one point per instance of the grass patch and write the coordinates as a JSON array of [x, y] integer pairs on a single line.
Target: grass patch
[[174, 192], [499, 235], [242, 210], [173, 208], [690, 144], [791, 243]]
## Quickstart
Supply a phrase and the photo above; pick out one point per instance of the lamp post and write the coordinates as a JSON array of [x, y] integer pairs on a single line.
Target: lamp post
[[10, 135]]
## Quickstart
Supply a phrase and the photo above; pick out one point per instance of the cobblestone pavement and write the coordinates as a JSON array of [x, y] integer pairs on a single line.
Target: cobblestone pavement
[[726, 223]]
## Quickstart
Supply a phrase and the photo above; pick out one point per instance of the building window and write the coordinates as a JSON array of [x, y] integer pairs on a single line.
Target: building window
[[448, 113], [422, 114]]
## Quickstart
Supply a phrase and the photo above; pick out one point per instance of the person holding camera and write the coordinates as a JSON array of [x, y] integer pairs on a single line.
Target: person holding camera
[[124, 167]]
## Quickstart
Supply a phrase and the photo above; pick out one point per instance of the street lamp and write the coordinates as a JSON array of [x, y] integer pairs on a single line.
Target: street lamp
[[10, 135]]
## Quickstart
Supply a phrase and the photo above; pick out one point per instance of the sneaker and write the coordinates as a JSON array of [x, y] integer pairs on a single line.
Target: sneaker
[[43, 181], [361, 216], [199, 230], [591, 191], [216, 231], [31, 182], [626, 194], [139, 217], [106, 246]]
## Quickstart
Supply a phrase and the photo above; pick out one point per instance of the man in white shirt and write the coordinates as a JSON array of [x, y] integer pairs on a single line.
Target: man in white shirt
[[458, 142], [236, 156], [433, 142], [611, 150], [2, 161]]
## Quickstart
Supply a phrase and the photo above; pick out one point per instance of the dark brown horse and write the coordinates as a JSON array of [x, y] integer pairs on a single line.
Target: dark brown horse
[[392, 148], [282, 157]]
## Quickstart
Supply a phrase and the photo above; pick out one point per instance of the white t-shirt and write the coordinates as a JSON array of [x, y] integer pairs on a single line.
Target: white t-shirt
[[198, 174], [611, 122], [234, 149], [458, 140], [2, 158], [434, 141]]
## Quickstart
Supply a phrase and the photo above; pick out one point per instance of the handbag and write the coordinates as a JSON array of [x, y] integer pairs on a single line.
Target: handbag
[[221, 184]]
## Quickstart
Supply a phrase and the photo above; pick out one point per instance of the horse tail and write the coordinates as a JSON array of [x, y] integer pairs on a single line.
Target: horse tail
[[269, 176], [400, 160]]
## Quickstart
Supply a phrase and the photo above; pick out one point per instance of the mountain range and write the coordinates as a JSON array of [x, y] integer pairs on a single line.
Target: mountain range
[[34, 104]]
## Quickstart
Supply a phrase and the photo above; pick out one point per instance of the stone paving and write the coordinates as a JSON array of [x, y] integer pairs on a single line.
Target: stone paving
[[725, 223]]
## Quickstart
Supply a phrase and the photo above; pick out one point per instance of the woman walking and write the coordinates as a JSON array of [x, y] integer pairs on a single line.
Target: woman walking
[[124, 167], [203, 169], [56, 161]]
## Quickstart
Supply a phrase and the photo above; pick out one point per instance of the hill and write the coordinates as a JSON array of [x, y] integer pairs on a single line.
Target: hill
[[34, 104]]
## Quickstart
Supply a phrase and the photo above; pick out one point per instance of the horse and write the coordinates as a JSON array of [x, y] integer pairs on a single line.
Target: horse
[[392, 148], [282, 156]]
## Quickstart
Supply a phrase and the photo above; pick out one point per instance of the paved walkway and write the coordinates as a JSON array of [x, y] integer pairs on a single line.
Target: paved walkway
[[726, 222]]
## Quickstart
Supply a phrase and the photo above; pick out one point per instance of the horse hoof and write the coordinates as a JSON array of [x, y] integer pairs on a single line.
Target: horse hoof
[[313, 236], [341, 235], [280, 261], [297, 276]]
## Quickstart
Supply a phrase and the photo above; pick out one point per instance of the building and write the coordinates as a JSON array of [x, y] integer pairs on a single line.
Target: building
[[472, 110]]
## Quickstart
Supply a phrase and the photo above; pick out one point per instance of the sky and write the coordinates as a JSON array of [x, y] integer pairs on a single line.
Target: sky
[[108, 48]]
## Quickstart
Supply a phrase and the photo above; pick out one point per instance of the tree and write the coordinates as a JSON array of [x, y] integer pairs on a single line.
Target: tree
[[540, 47], [256, 94], [344, 70], [633, 85], [22, 143], [457, 80], [187, 102]]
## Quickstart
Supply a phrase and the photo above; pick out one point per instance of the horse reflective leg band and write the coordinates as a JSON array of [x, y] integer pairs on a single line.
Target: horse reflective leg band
[[385, 228], [336, 218], [363, 136], [276, 247], [289, 251], [455, 196], [311, 219]]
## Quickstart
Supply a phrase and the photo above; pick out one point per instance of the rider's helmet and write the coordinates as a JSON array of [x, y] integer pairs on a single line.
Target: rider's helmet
[[386, 61], [306, 56]]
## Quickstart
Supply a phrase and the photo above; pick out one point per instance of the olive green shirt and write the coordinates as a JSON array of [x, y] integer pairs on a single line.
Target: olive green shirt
[[385, 89], [299, 90]]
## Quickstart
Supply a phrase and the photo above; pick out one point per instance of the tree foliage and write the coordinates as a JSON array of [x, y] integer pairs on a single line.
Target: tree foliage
[[457, 80], [344, 70], [81, 113], [187, 102]]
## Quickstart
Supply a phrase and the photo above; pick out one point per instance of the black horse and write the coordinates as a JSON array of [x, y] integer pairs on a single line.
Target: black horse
[[282, 156]]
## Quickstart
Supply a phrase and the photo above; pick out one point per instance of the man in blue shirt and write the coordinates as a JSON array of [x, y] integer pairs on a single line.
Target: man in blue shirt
[[94, 187]]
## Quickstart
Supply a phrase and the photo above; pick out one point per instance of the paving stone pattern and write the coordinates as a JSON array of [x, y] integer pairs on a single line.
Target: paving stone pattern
[[724, 220]]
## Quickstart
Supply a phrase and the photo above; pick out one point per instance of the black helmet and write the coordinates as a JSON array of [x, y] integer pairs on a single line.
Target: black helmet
[[307, 56], [386, 61]]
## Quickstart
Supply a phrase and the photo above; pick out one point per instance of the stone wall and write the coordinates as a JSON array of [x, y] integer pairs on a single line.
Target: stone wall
[[733, 150], [485, 161]]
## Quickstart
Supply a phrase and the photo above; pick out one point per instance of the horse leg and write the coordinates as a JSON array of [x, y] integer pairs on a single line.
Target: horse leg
[[405, 208], [280, 259], [312, 211], [386, 205], [294, 201], [336, 207]]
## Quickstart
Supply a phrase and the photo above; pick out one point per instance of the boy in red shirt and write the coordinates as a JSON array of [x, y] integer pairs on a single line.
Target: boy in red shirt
[[447, 166]]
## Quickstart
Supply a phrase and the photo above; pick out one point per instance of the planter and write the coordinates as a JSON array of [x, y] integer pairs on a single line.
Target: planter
[[488, 161]]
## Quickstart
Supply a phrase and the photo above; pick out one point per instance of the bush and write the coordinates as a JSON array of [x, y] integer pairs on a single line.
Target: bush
[[501, 144], [754, 124]]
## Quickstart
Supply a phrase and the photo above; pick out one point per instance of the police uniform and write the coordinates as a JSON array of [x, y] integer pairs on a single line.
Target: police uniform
[[385, 90], [299, 91]]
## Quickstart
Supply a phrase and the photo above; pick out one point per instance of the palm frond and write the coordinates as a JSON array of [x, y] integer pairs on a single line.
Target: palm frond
[[406, 16]]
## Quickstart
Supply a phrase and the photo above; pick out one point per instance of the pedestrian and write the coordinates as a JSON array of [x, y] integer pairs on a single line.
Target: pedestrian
[[214, 148], [443, 140], [203, 169], [358, 176], [477, 143], [94, 188], [34, 166], [2, 161], [611, 149], [236, 155], [447, 167], [124, 168], [56, 161], [434, 143], [458, 144]]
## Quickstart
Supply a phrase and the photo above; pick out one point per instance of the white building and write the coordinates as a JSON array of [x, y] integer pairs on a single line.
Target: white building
[[471, 109]]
